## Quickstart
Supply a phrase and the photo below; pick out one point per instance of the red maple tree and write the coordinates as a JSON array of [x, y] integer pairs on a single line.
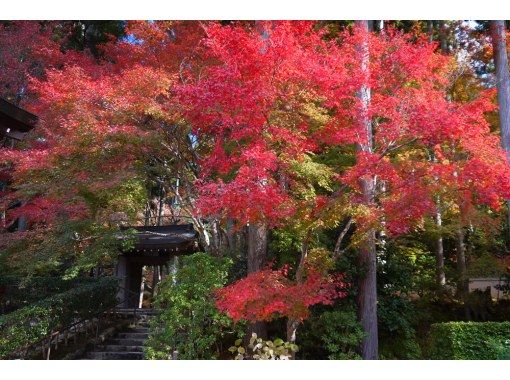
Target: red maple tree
[[270, 294]]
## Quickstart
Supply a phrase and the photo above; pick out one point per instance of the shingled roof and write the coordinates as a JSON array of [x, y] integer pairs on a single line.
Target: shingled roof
[[171, 239]]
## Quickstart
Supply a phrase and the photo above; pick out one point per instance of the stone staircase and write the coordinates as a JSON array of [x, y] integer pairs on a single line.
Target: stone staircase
[[126, 344]]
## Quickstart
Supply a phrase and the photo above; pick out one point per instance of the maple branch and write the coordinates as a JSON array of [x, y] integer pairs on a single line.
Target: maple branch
[[304, 254], [181, 70], [391, 148], [337, 251], [204, 28]]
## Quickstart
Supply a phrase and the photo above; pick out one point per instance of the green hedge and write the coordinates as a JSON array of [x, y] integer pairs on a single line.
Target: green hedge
[[32, 323], [469, 340]]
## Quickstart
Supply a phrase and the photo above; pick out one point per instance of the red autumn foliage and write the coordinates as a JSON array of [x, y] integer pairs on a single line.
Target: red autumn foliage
[[28, 49], [249, 97], [269, 294], [44, 210], [247, 102], [242, 88], [97, 116]]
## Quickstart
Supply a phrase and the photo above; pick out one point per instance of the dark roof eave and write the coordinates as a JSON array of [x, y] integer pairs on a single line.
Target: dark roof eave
[[12, 116], [174, 239]]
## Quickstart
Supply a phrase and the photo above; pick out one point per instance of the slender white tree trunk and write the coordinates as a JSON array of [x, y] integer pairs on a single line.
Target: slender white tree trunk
[[438, 220], [461, 263], [438, 217], [440, 273], [367, 291]]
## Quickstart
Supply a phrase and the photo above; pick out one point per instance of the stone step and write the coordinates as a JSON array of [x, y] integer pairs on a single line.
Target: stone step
[[115, 355], [117, 347], [138, 312], [126, 342], [132, 335], [135, 329]]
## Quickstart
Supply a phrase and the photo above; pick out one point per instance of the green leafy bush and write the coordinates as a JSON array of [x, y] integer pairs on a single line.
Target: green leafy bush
[[32, 323], [401, 263], [397, 337], [188, 320], [341, 334], [469, 340], [333, 335]]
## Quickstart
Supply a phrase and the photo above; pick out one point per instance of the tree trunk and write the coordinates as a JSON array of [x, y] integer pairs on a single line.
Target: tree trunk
[[337, 251], [215, 238], [440, 274], [160, 205], [203, 234], [443, 37], [256, 258], [367, 290], [461, 264], [231, 238], [503, 87], [292, 326], [370, 24], [257, 231], [463, 283], [430, 30], [142, 290], [257, 247], [156, 278], [438, 217], [204, 238]]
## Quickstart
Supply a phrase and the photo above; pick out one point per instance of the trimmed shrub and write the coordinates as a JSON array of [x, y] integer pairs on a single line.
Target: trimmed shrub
[[468, 340]]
